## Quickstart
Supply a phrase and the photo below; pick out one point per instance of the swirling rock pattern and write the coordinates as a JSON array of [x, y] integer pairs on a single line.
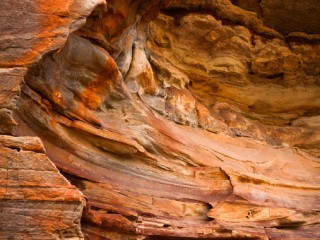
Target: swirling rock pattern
[[175, 119], [36, 201]]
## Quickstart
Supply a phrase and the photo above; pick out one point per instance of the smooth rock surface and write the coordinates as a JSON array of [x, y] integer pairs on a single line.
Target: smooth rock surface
[[32, 28], [36, 201], [175, 119]]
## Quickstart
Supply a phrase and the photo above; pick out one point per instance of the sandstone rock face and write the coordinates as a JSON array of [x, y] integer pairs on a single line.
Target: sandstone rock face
[[286, 16], [264, 79], [9, 95], [175, 119], [36, 201], [29, 29]]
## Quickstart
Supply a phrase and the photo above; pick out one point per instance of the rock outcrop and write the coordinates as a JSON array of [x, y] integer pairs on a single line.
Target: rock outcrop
[[175, 119], [36, 201]]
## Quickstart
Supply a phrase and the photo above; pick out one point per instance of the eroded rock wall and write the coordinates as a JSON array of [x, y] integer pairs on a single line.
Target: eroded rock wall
[[36, 201], [178, 119]]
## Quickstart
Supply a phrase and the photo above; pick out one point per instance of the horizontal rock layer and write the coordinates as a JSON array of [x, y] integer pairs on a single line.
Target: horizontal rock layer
[[36, 201], [176, 119]]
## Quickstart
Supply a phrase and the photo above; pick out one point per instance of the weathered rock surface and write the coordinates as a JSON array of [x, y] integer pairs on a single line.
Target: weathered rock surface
[[29, 29], [11, 79], [286, 16], [175, 119], [36, 201], [264, 79]]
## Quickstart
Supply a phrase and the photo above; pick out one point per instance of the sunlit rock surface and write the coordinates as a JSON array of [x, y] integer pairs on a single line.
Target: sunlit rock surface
[[175, 119], [36, 201]]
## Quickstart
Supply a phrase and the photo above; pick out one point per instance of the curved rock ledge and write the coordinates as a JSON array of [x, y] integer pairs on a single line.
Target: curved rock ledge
[[175, 119]]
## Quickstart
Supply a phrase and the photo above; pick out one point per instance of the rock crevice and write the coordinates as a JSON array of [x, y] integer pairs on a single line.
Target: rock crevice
[[175, 119]]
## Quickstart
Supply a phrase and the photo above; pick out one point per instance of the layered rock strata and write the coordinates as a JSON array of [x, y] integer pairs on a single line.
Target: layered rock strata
[[175, 119], [36, 201]]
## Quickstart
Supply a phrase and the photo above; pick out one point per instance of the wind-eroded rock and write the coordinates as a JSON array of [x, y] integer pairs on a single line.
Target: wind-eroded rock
[[29, 29], [36, 201], [152, 177], [11, 79], [201, 122], [260, 78]]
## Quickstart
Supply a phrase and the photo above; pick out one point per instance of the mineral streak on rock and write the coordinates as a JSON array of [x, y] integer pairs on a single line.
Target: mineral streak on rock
[[36, 201], [175, 119], [29, 29]]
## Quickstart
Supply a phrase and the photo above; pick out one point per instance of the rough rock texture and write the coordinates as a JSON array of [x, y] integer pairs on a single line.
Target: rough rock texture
[[240, 77], [36, 201], [176, 119], [11, 79], [31, 28]]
